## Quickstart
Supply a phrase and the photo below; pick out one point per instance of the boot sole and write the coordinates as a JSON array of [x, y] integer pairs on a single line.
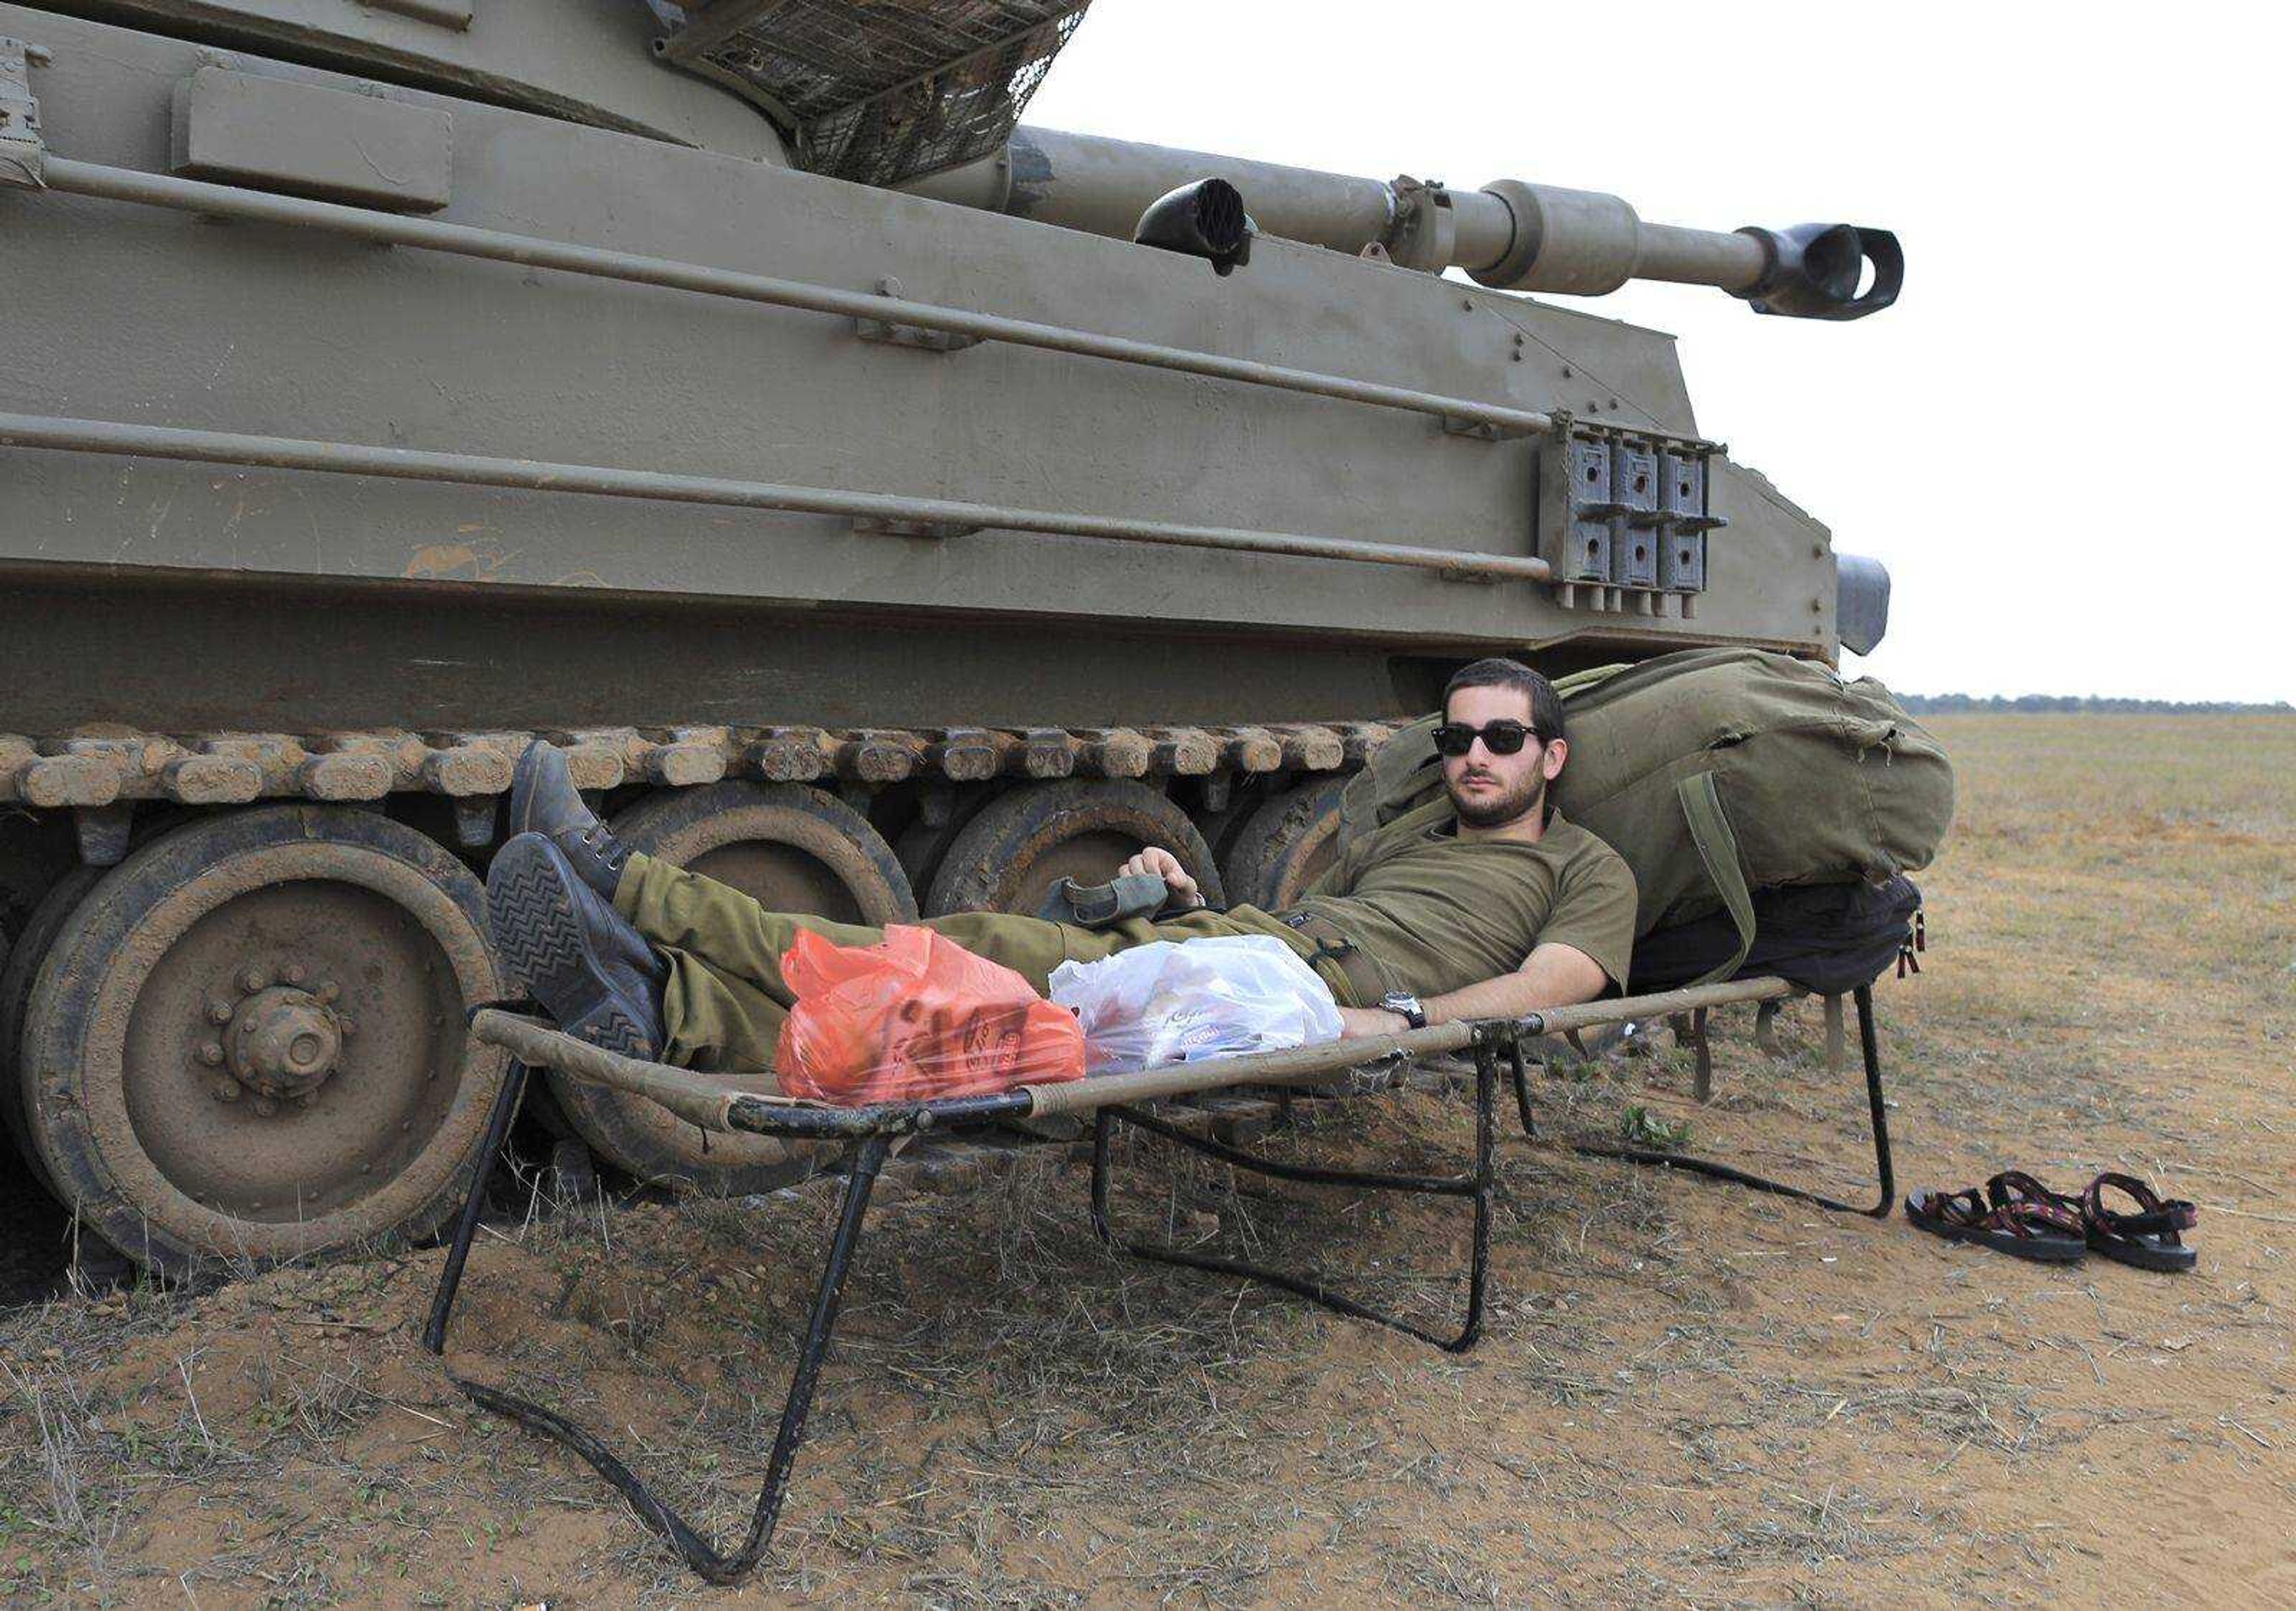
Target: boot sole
[[543, 942]]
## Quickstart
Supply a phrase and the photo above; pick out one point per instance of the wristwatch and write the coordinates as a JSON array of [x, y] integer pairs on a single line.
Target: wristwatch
[[1404, 1006]]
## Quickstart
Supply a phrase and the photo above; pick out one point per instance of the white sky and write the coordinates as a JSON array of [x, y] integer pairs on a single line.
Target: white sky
[[2061, 440]]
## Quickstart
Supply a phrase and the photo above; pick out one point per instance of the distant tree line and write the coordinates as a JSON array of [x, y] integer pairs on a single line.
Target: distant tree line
[[1947, 704]]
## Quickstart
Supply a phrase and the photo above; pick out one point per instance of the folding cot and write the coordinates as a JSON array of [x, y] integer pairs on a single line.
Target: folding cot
[[873, 1132]]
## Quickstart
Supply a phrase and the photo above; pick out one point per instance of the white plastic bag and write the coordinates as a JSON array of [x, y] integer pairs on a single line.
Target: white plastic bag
[[1177, 1003]]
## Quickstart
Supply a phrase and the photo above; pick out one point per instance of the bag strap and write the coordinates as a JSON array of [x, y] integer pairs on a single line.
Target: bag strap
[[1580, 682], [1717, 849]]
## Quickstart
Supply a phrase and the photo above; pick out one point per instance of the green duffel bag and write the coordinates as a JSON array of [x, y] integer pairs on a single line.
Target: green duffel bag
[[1714, 772]]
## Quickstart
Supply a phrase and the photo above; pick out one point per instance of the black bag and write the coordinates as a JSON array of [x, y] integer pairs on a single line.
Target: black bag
[[1829, 938]]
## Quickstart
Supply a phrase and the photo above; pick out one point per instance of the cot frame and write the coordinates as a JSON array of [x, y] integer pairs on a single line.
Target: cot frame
[[1115, 1100]]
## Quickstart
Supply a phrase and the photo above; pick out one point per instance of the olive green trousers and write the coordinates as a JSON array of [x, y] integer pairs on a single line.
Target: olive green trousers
[[725, 1000]]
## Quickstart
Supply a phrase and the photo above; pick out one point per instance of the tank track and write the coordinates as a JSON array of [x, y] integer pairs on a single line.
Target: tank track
[[105, 785], [91, 771]]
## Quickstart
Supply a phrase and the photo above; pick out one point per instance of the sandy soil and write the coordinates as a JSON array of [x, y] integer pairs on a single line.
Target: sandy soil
[[1687, 1393]]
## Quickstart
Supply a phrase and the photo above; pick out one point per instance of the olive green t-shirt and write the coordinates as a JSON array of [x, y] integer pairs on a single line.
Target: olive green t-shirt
[[1435, 912]]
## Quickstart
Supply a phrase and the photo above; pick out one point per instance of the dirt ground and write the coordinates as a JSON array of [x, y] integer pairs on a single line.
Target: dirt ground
[[1687, 1393]]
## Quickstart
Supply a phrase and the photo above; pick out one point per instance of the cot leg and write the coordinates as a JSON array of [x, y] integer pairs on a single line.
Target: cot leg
[[466, 1225], [697, 1551], [1876, 1107], [1766, 1030], [1877, 1113], [1835, 1042], [1521, 1086], [1477, 1186], [1702, 1049]]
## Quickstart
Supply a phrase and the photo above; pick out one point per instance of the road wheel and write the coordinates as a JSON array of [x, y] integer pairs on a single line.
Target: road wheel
[[793, 849], [1026, 840], [921, 845], [247, 1040], [1285, 845], [23, 966]]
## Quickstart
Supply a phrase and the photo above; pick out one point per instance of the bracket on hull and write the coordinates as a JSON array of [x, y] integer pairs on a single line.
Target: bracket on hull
[[23, 153]]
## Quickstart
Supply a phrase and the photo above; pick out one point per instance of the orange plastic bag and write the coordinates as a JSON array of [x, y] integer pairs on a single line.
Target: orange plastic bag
[[914, 1018]]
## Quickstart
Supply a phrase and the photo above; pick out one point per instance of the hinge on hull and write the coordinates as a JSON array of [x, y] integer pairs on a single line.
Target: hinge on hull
[[1484, 430], [913, 335], [897, 334], [23, 153]]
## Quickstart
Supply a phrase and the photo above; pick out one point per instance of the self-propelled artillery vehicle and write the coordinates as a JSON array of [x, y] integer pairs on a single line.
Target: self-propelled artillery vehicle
[[893, 508]]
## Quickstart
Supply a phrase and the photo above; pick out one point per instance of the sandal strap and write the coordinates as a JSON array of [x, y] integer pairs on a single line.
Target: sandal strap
[[2016, 1186], [2127, 1185], [2156, 1216], [2022, 1217], [1964, 1208], [2172, 1215]]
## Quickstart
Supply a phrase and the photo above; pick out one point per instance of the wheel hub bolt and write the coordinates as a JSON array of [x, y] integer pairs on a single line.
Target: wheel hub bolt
[[218, 1011], [211, 1054], [252, 980], [226, 1090], [284, 1042], [296, 973]]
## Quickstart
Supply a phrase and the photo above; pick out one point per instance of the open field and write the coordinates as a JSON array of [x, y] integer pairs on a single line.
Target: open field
[[1687, 1393]]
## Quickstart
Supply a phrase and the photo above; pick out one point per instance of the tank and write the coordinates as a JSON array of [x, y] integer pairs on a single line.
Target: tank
[[893, 508]]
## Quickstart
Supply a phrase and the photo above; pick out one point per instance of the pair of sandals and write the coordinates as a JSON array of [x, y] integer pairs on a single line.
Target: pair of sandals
[[2020, 1216]]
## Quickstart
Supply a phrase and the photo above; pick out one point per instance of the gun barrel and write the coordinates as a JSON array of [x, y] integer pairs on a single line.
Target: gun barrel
[[1510, 235]]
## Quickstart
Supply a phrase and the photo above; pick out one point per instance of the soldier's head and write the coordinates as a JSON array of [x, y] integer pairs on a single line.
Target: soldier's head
[[1502, 742]]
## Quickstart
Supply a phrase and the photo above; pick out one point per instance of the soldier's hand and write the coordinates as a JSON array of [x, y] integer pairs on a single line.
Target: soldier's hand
[[1166, 866]]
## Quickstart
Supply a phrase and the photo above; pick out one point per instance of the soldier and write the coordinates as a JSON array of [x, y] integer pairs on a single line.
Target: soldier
[[1489, 904]]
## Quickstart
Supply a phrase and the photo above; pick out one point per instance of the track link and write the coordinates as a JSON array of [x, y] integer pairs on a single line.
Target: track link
[[89, 770]]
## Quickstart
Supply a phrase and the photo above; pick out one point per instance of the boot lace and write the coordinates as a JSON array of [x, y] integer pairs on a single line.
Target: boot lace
[[602, 844]]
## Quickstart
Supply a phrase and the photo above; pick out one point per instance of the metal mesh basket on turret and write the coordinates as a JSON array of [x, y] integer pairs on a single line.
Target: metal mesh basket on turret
[[879, 91]]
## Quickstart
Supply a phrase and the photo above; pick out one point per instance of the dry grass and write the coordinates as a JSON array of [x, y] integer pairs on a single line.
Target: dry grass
[[1686, 1394]]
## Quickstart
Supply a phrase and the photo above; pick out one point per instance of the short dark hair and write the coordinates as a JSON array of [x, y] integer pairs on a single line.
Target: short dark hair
[[1545, 704]]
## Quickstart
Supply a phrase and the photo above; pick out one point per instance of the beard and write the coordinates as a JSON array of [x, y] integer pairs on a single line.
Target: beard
[[1497, 810]]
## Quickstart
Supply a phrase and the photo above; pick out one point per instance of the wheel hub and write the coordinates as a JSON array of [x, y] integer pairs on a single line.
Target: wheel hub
[[278, 1042]]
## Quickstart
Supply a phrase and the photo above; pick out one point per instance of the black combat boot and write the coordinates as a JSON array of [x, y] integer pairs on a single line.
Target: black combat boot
[[566, 946], [544, 800]]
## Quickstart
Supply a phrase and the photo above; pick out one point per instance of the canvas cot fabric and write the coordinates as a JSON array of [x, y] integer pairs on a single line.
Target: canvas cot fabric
[[726, 999], [1435, 912]]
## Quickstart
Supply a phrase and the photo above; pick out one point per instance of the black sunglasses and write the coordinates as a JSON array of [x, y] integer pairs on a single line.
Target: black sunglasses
[[1455, 738]]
